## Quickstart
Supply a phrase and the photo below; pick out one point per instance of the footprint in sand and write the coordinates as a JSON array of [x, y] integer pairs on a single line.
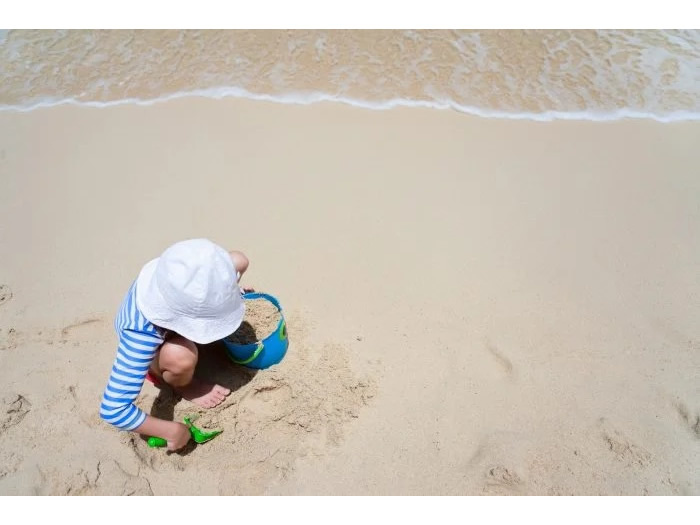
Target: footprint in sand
[[268, 399], [690, 420], [504, 363], [272, 391], [15, 409], [492, 466], [5, 294], [8, 339], [624, 449], [501, 480]]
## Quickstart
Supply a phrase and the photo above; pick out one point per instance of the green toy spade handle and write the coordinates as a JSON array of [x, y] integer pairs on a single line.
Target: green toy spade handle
[[154, 442]]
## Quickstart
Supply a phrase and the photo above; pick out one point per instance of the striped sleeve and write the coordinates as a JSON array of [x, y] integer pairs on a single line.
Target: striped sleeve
[[136, 349]]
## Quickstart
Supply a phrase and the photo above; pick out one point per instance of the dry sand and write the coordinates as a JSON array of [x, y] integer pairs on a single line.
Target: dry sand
[[474, 306]]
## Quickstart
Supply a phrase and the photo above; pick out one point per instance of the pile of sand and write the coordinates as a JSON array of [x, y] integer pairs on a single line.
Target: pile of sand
[[261, 319]]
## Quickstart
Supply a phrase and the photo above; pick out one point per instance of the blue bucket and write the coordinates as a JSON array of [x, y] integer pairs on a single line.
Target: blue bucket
[[265, 353]]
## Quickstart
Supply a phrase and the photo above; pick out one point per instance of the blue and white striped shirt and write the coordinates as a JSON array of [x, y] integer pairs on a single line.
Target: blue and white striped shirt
[[138, 341]]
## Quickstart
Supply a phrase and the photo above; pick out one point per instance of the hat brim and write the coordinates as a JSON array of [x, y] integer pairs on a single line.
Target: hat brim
[[200, 330]]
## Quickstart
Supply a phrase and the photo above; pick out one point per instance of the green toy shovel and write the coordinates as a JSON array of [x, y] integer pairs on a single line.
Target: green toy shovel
[[199, 436]]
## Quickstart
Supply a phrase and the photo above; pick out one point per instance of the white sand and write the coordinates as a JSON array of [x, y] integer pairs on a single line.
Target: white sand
[[474, 306]]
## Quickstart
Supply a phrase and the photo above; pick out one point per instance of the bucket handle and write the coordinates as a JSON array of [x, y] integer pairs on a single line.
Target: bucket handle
[[255, 354]]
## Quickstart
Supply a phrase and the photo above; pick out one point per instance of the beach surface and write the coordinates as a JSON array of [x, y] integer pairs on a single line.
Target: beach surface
[[475, 306]]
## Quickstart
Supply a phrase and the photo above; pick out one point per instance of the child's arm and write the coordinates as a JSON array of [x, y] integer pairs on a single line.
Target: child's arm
[[241, 263], [135, 352], [125, 383], [176, 434]]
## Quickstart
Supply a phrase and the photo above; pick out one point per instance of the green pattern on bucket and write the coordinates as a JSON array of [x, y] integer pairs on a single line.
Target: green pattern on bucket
[[283, 331], [251, 358]]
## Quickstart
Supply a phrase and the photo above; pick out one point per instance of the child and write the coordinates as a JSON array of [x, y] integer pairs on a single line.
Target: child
[[187, 296]]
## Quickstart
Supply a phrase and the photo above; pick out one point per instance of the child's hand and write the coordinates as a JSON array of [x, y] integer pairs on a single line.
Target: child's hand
[[179, 438], [247, 289]]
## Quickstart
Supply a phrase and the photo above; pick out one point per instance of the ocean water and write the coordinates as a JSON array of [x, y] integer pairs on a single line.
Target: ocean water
[[533, 74]]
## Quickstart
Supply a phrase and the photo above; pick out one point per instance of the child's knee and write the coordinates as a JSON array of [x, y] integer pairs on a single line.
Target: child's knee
[[178, 355]]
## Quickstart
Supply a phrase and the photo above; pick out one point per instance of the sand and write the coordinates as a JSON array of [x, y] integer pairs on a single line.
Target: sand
[[260, 320], [474, 306]]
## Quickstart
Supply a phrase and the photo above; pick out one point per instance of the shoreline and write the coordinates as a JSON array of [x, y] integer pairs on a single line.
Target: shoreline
[[311, 98]]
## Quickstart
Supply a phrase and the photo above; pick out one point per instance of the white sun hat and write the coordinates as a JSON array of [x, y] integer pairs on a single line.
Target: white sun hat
[[192, 289]]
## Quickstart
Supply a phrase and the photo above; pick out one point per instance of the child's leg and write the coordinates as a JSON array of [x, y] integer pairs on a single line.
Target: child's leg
[[175, 362]]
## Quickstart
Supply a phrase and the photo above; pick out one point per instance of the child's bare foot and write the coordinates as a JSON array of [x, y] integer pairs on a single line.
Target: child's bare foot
[[206, 395]]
